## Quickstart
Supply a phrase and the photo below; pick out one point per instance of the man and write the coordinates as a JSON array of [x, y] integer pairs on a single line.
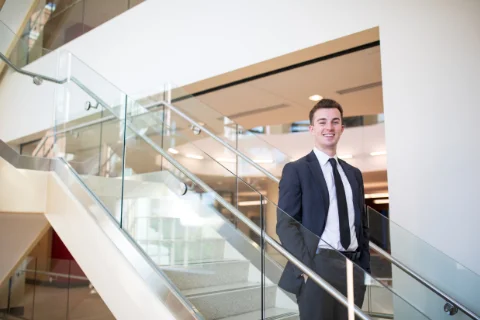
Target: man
[[321, 211]]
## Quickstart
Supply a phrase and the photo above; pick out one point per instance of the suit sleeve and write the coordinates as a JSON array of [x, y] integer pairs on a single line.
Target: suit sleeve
[[365, 257], [289, 214]]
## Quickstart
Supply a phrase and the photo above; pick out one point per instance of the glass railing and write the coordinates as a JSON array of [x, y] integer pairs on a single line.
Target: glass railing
[[186, 235], [432, 265], [45, 288], [122, 161], [54, 23], [12, 46], [431, 302]]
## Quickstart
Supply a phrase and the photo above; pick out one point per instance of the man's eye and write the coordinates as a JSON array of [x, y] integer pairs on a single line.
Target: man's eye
[[322, 123]]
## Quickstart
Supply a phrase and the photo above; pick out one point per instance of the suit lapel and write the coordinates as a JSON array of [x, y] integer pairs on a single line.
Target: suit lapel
[[354, 186], [317, 173]]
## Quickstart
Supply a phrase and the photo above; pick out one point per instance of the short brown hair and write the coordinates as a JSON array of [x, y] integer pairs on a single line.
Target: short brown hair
[[325, 104]]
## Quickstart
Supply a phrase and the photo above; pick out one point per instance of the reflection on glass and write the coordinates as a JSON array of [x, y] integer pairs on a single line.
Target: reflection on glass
[[130, 161], [54, 23], [52, 289], [16, 296], [341, 273], [435, 267]]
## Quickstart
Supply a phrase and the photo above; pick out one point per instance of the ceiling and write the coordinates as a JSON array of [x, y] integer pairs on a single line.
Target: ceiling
[[284, 97]]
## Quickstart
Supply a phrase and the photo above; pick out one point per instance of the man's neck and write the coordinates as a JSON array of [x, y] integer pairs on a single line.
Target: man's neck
[[328, 151]]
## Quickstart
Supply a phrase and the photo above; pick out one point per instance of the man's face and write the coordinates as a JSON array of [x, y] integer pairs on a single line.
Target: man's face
[[326, 127]]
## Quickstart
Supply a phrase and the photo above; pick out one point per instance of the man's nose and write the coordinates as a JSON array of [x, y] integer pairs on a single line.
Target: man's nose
[[328, 126]]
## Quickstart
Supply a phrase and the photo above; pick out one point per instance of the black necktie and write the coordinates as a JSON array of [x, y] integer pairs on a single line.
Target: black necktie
[[342, 206]]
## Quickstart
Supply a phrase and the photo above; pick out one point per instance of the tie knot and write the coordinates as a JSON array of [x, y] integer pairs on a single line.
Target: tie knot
[[333, 162]]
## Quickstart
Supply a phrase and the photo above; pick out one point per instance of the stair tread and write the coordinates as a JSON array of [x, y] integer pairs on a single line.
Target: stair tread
[[221, 288], [200, 265], [194, 262], [194, 240], [273, 313]]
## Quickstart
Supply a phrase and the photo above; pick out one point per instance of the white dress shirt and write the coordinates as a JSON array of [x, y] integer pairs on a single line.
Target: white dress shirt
[[331, 235]]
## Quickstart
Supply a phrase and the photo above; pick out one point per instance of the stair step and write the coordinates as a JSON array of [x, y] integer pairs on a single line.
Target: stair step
[[196, 262], [271, 314], [201, 275], [155, 227], [223, 301], [175, 252]]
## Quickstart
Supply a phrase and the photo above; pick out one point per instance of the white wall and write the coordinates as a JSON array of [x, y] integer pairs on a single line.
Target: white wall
[[19, 233], [16, 186], [430, 71]]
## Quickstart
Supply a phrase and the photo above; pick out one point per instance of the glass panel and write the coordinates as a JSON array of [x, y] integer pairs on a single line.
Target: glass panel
[[64, 26], [92, 137], [29, 267], [273, 161], [183, 234], [51, 288], [431, 264], [211, 261], [83, 300], [12, 46], [95, 151], [341, 273], [230, 131], [54, 23], [194, 157], [56, 290], [6, 38], [16, 295], [59, 6]]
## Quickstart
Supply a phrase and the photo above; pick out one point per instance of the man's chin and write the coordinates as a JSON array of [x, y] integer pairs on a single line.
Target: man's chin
[[329, 145]]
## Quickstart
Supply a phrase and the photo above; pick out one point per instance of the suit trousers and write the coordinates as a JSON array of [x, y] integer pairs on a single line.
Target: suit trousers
[[315, 303]]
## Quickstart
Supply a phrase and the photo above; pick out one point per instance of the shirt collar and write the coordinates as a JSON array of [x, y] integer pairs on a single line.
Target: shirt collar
[[322, 156]]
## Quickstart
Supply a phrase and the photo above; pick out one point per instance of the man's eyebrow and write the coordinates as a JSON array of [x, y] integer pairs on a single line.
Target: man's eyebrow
[[325, 119]]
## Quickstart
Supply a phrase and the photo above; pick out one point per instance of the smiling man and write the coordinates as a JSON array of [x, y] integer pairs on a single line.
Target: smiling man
[[322, 219]]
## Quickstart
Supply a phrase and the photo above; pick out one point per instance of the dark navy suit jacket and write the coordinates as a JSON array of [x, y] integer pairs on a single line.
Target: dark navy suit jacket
[[302, 215]]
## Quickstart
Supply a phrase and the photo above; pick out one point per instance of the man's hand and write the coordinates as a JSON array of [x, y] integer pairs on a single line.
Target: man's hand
[[305, 277]]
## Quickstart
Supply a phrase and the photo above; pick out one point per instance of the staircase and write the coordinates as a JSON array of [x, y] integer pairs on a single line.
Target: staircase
[[184, 243]]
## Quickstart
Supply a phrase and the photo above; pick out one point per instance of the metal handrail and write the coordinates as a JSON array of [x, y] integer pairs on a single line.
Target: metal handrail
[[34, 76], [306, 270], [226, 204], [317, 279], [56, 274], [396, 262]]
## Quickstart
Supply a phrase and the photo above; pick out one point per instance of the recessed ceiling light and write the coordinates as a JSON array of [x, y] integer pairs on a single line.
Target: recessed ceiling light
[[251, 203], [381, 201], [378, 153], [315, 97], [376, 195], [174, 151], [194, 156]]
